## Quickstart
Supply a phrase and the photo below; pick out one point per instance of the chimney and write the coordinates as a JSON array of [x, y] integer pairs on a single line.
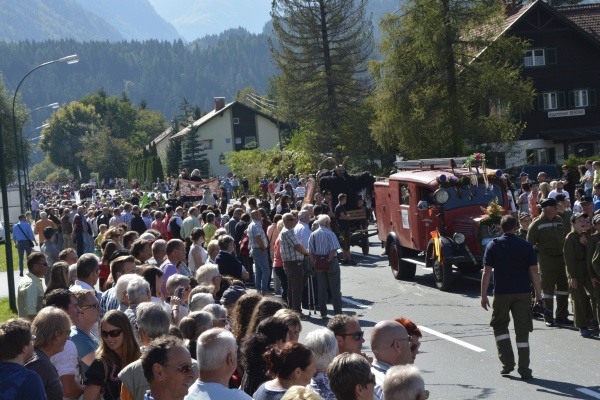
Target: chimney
[[219, 103]]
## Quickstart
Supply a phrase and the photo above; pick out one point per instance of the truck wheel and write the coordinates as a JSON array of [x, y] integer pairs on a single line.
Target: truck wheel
[[442, 274], [365, 245], [401, 270]]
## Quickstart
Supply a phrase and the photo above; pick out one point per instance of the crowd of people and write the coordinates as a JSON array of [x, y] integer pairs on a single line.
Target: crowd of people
[[162, 302]]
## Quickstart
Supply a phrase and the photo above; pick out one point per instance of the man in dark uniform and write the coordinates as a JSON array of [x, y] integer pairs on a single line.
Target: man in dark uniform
[[580, 282], [515, 267], [547, 234], [564, 212]]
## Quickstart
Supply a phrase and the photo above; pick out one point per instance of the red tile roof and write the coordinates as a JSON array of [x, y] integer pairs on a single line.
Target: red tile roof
[[587, 16]]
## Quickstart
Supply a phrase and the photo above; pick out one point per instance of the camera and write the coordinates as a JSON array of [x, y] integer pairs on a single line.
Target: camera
[[540, 308]]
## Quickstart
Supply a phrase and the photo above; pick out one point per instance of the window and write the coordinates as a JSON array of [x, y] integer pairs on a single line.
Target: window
[[541, 156], [535, 58], [250, 142], [550, 101], [404, 195], [580, 98], [207, 144], [236, 121]]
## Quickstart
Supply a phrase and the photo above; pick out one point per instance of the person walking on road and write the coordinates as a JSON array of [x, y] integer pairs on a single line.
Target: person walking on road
[[547, 234], [514, 262], [24, 239]]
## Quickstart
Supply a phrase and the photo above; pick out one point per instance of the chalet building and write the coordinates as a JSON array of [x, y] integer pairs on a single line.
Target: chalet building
[[564, 63], [231, 127]]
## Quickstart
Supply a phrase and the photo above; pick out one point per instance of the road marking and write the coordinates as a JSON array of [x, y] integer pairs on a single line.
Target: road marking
[[589, 392], [451, 339], [355, 303]]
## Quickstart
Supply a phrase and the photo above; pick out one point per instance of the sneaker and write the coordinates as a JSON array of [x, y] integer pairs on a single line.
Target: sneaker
[[549, 323], [564, 321], [585, 332]]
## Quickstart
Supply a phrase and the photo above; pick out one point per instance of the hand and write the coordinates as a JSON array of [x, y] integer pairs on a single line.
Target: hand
[[485, 303], [583, 240], [573, 283], [595, 282], [175, 301], [369, 358]]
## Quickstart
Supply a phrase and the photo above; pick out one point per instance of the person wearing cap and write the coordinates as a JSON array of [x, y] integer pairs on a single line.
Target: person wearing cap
[[524, 222], [580, 283], [230, 296], [515, 268], [547, 234], [50, 250], [563, 203], [524, 178]]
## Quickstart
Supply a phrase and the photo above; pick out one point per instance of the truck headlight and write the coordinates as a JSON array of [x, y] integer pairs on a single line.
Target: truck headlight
[[459, 238]]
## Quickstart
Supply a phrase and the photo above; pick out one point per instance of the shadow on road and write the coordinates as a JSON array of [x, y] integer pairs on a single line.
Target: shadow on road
[[556, 388]]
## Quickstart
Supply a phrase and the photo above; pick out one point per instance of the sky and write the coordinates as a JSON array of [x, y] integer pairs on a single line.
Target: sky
[[197, 18]]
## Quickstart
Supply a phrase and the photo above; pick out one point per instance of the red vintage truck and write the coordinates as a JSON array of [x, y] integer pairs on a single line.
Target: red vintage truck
[[436, 214]]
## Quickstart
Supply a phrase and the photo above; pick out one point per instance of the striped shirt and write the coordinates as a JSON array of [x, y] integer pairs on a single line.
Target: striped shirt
[[288, 240], [254, 230], [322, 241]]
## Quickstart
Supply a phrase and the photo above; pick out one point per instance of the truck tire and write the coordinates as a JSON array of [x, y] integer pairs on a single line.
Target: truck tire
[[401, 270], [365, 245], [442, 273]]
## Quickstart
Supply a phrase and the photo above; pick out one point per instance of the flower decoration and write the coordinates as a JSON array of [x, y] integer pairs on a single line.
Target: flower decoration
[[475, 159]]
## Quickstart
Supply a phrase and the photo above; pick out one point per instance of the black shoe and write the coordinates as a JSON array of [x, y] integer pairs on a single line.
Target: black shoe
[[564, 321], [21, 273], [507, 370], [550, 323], [585, 332]]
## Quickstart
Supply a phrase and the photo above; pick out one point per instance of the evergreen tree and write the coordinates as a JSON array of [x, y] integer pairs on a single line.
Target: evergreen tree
[[322, 50], [193, 155], [448, 82], [173, 157]]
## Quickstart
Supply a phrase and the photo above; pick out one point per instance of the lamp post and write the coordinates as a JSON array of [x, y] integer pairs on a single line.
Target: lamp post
[[54, 106], [72, 59]]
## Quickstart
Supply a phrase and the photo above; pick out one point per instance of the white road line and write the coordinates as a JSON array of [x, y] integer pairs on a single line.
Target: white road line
[[589, 392], [451, 339], [355, 303]]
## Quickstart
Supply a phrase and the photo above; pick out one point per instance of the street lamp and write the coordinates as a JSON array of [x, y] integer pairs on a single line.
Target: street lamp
[[72, 59], [54, 106]]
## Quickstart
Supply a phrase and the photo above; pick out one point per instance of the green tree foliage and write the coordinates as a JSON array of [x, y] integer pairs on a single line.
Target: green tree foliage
[[446, 82], [148, 168], [10, 155], [173, 157], [193, 155], [46, 171], [322, 50], [106, 154]]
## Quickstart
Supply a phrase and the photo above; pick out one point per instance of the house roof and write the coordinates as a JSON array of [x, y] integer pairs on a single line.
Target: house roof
[[162, 136], [587, 16], [212, 114]]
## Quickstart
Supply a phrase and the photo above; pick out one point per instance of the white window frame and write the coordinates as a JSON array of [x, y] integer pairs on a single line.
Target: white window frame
[[249, 140], [550, 100], [581, 98], [236, 121], [535, 58], [207, 144]]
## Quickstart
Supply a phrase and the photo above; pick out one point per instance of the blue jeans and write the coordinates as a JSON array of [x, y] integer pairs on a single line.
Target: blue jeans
[[23, 247], [262, 272]]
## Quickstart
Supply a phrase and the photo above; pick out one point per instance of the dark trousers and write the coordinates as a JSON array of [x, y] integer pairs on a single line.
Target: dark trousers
[[80, 243], [23, 247], [294, 271], [330, 279], [284, 282]]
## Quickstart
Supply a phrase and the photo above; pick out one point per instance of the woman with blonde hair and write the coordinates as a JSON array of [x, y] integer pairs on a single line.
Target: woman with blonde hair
[[59, 276], [300, 393], [118, 349]]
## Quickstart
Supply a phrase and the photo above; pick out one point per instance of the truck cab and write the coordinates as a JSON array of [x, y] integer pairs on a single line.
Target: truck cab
[[435, 214]]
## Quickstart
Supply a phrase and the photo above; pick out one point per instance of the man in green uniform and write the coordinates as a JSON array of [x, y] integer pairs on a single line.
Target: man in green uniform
[[515, 267], [524, 222], [547, 234], [563, 211], [580, 283], [593, 265]]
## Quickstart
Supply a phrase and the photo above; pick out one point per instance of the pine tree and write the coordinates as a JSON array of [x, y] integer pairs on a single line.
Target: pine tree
[[193, 155], [322, 50], [173, 157]]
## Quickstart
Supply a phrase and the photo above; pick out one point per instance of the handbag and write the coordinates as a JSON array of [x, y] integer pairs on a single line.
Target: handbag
[[322, 263], [29, 240]]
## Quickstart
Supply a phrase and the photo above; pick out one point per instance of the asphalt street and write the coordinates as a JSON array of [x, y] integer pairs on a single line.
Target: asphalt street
[[458, 353]]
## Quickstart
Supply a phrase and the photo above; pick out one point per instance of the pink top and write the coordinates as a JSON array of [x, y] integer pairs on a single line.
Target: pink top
[[161, 227], [277, 260]]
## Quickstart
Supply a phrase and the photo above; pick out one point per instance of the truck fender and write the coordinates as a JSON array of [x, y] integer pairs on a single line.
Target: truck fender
[[390, 240], [447, 250]]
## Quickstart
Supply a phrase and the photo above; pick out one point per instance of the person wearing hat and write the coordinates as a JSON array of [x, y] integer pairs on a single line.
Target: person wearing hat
[[580, 283], [514, 263], [524, 222], [563, 211], [547, 234], [524, 177], [230, 296], [50, 250]]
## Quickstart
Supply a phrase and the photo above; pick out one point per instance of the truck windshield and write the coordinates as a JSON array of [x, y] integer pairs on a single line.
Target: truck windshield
[[473, 195]]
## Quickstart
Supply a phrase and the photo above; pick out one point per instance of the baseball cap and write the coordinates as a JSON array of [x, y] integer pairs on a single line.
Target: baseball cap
[[231, 295], [575, 216], [548, 203]]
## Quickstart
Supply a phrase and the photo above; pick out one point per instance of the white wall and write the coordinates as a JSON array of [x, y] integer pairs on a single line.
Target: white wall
[[518, 157], [218, 130], [268, 137]]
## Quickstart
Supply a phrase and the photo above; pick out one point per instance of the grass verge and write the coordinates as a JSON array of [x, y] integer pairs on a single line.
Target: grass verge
[[5, 311], [15, 256]]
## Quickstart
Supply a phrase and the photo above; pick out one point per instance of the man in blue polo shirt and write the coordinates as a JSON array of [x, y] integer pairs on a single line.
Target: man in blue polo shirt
[[514, 262]]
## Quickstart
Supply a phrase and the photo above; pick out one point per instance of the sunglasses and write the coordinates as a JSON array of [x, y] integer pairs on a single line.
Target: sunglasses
[[357, 335], [408, 338], [184, 369], [96, 306], [414, 347], [113, 333]]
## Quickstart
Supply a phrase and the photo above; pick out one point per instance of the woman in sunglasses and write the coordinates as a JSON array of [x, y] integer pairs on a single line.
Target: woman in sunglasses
[[118, 348]]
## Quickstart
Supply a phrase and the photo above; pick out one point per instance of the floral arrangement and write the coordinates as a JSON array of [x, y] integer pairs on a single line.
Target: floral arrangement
[[494, 212], [475, 160]]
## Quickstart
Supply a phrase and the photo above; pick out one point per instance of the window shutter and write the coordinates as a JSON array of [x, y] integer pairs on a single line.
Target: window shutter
[[571, 99], [550, 56], [561, 99], [592, 97], [540, 102]]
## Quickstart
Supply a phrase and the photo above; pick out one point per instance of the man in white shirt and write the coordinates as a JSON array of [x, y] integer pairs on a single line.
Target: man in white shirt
[[217, 359]]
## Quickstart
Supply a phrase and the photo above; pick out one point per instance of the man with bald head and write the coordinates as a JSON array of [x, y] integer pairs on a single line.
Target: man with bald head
[[391, 346]]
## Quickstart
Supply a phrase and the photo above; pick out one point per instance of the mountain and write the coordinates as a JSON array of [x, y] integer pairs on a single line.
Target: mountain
[[60, 19], [82, 20], [194, 19], [134, 19]]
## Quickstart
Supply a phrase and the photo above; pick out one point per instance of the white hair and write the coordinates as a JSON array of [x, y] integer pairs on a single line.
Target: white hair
[[153, 319], [323, 220], [138, 290], [213, 347], [206, 273], [324, 346], [218, 311], [308, 207], [121, 286], [403, 382], [303, 214], [201, 300], [175, 281]]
